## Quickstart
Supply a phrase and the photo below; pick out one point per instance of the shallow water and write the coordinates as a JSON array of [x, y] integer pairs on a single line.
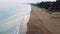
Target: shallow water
[[12, 15]]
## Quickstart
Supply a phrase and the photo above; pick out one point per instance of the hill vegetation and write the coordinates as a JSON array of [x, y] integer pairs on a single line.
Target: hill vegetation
[[51, 6]]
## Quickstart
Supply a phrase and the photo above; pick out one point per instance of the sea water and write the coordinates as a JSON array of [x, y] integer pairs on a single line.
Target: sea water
[[14, 16]]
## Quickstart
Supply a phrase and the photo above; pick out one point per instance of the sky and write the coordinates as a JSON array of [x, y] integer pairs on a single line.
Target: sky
[[24, 1]]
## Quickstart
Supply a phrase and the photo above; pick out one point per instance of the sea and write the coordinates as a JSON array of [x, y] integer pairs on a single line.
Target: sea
[[12, 15]]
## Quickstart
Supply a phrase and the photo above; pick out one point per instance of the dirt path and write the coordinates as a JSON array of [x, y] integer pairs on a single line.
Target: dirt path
[[34, 24]]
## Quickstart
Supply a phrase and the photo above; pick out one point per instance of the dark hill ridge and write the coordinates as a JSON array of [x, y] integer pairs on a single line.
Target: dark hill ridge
[[52, 6]]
